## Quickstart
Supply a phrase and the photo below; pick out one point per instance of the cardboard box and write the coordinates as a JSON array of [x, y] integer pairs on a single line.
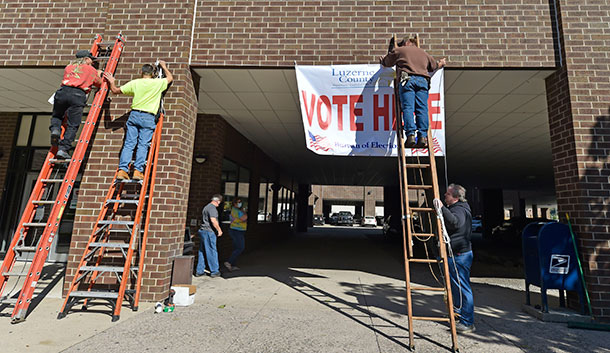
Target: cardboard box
[[185, 294]]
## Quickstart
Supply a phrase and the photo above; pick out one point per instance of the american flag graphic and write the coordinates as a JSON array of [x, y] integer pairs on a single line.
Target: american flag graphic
[[435, 145], [318, 142]]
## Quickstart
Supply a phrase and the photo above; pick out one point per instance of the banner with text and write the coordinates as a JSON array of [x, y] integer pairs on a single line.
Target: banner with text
[[349, 110]]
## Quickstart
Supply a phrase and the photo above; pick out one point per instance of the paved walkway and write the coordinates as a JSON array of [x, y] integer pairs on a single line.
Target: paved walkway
[[330, 290]]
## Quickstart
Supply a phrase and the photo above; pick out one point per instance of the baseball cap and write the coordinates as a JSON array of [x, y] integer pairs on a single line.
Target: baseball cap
[[85, 54]]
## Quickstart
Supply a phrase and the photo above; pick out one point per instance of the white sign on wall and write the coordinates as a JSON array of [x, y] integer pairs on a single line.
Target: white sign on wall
[[348, 110]]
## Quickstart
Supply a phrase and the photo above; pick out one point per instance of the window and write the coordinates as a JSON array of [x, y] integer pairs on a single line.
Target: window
[[235, 183], [285, 208], [265, 195]]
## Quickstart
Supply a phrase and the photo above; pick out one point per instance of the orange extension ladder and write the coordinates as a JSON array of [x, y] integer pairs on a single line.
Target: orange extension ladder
[[124, 217], [42, 216], [425, 228]]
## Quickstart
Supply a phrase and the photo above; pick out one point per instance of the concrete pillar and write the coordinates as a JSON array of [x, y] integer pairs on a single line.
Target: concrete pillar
[[369, 201], [303, 214], [391, 202], [518, 205], [493, 209]]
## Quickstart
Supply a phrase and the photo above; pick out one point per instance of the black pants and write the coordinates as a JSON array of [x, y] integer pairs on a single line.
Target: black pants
[[69, 101]]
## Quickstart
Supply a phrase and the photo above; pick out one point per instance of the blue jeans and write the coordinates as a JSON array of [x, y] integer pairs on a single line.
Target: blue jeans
[[139, 130], [207, 244], [239, 243], [414, 98], [464, 305]]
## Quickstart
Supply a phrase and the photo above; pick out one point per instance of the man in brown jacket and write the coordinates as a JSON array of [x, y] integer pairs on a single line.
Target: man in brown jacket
[[414, 66]]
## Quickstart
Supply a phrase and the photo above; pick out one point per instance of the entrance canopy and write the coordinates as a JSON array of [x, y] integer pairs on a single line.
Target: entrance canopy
[[497, 127]]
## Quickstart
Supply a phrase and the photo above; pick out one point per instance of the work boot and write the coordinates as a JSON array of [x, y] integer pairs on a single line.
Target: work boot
[[228, 266], [55, 137], [410, 143], [122, 175], [462, 328], [137, 175], [61, 154], [422, 142]]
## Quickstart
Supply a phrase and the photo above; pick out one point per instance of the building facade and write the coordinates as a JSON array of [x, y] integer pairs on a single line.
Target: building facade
[[474, 36]]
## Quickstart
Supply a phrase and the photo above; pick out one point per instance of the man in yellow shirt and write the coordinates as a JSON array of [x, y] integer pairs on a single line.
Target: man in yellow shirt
[[140, 126]]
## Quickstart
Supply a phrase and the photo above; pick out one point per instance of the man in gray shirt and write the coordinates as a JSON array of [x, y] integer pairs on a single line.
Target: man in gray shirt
[[208, 232]]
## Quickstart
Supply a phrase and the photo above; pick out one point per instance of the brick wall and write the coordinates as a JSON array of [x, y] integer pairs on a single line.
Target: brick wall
[[48, 32], [153, 29], [8, 126], [502, 33], [579, 103], [205, 178]]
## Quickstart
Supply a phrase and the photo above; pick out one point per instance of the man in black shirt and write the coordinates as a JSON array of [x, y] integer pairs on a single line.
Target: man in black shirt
[[208, 233], [458, 221]]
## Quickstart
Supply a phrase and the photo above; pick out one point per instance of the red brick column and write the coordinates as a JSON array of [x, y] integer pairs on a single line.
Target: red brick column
[[579, 102], [205, 178], [153, 29]]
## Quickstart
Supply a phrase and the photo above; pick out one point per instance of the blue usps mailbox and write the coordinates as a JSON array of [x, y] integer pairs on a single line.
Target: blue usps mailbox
[[550, 261]]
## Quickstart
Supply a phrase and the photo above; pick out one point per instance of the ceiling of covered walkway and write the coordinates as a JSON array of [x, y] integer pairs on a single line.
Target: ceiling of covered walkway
[[497, 127]]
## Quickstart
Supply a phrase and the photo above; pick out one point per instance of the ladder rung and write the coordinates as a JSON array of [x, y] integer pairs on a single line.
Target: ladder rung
[[126, 223], [25, 248], [422, 209], [104, 268], [123, 201], [59, 161], [429, 318], [94, 294], [17, 274], [419, 187], [34, 224], [102, 44], [130, 181], [8, 301], [52, 180], [134, 195], [422, 166], [43, 202], [109, 245], [428, 261], [422, 234], [434, 289], [123, 230]]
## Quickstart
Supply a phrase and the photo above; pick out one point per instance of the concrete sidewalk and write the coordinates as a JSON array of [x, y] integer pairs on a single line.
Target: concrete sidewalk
[[330, 290]]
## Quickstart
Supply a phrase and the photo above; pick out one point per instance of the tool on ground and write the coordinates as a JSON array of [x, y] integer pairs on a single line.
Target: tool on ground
[[117, 245], [39, 223], [424, 228]]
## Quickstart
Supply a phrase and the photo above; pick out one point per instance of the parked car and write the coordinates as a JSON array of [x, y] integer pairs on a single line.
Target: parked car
[[332, 220], [379, 220], [477, 224], [510, 230], [368, 221], [345, 218], [318, 220]]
